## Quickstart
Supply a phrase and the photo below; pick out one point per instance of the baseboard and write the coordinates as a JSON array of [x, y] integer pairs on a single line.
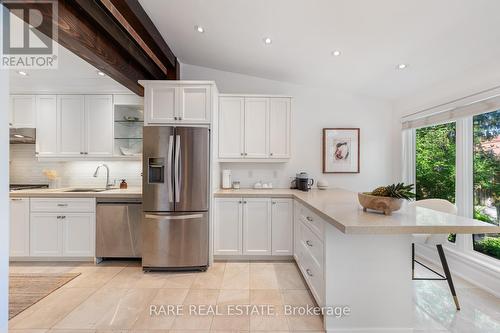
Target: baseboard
[[483, 276], [251, 258], [52, 259]]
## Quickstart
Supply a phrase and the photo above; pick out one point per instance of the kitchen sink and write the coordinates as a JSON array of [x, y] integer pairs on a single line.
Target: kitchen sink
[[86, 190]]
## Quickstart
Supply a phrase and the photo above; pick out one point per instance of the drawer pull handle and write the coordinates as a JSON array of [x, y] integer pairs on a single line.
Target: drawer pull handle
[[309, 243], [62, 205], [308, 271], [61, 217], [310, 219]]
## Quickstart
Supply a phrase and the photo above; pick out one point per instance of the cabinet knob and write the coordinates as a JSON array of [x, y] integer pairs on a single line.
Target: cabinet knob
[[246, 154], [309, 243], [273, 202], [180, 118], [270, 154], [308, 271], [310, 219], [86, 153], [240, 202], [81, 153], [244, 202], [242, 154]]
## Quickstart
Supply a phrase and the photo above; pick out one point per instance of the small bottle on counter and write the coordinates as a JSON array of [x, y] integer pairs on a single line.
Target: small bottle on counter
[[123, 185]]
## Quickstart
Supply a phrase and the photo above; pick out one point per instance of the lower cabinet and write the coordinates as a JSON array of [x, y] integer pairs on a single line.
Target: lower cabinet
[[253, 226], [257, 226], [62, 234], [228, 226], [282, 226], [19, 227]]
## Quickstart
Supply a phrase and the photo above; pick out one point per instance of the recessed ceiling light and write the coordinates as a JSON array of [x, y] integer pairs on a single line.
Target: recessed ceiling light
[[200, 29], [100, 73], [402, 66], [336, 53], [268, 40], [22, 73]]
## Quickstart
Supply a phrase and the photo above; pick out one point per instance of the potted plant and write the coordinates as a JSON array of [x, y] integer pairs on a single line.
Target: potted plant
[[386, 199]]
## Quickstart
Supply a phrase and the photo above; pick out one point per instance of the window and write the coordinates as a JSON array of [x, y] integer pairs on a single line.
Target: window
[[487, 179], [435, 163]]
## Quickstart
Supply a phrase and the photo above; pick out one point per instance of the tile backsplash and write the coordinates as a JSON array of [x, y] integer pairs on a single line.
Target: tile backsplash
[[26, 169]]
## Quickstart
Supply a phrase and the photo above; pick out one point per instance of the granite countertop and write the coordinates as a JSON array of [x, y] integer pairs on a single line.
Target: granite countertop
[[131, 192], [341, 209]]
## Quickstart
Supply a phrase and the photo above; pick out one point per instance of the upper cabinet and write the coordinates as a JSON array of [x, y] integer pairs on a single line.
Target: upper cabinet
[[254, 128], [178, 102], [74, 126], [22, 111]]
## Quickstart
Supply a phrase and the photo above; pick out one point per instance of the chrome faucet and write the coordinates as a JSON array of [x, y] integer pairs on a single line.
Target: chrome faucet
[[108, 184]]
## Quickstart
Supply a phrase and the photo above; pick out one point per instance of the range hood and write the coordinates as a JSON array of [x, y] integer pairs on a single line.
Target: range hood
[[22, 135]]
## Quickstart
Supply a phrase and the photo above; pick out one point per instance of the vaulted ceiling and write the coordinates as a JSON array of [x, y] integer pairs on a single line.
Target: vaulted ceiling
[[436, 39]]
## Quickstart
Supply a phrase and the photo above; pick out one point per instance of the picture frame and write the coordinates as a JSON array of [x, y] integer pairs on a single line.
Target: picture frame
[[341, 150]]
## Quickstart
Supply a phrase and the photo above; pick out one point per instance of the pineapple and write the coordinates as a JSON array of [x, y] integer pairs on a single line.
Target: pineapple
[[399, 191]]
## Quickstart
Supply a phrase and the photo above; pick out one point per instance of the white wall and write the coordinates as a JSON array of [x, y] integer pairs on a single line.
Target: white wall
[[313, 108], [4, 196], [25, 168]]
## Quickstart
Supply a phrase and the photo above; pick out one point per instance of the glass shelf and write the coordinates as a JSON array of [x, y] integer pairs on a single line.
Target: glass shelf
[[129, 121]]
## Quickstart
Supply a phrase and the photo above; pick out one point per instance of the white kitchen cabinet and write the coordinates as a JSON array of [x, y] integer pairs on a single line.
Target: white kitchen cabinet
[[178, 102], [46, 125], [282, 226], [257, 226], [19, 227], [45, 235], [22, 111], [195, 104], [231, 127], [98, 125], [71, 127], [228, 226], [256, 127], [78, 235], [161, 104], [279, 127], [61, 227]]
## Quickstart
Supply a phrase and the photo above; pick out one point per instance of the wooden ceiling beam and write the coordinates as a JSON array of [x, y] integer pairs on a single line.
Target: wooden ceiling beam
[[90, 30]]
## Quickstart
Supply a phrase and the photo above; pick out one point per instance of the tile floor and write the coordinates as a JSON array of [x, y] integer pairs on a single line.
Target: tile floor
[[116, 297]]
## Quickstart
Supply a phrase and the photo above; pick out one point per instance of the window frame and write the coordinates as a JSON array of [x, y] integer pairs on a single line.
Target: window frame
[[464, 183]]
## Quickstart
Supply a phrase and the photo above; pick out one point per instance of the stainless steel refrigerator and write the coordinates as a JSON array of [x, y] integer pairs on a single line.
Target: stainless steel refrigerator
[[176, 163]]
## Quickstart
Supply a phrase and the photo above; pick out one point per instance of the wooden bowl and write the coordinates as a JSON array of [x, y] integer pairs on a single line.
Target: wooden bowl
[[387, 205]]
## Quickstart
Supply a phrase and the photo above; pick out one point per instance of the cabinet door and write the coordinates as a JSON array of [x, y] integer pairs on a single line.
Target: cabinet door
[[46, 125], [23, 111], [19, 227], [279, 128], [282, 226], [45, 234], [228, 226], [231, 127], [78, 234], [256, 127], [99, 125], [257, 226], [71, 124], [161, 104], [195, 104]]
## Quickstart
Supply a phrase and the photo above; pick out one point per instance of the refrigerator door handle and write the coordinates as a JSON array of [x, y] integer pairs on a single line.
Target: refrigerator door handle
[[174, 217], [169, 168], [177, 176]]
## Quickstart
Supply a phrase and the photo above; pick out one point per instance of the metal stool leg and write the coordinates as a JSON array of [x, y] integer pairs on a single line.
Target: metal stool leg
[[447, 273], [412, 260]]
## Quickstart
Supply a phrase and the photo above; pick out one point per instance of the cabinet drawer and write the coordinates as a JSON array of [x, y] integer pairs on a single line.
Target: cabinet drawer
[[312, 243], [312, 220], [313, 274], [81, 205]]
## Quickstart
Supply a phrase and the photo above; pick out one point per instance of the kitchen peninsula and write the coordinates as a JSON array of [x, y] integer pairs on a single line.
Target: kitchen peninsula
[[358, 259]]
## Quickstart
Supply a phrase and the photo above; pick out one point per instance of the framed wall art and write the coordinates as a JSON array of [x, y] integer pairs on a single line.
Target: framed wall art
[[340, 150]]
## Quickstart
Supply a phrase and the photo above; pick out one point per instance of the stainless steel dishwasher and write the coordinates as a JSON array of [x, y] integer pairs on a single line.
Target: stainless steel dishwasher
[[118, 228]]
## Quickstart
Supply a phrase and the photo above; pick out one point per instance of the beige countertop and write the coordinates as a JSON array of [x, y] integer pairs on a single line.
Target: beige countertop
[[341, 209], [131, 192]]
